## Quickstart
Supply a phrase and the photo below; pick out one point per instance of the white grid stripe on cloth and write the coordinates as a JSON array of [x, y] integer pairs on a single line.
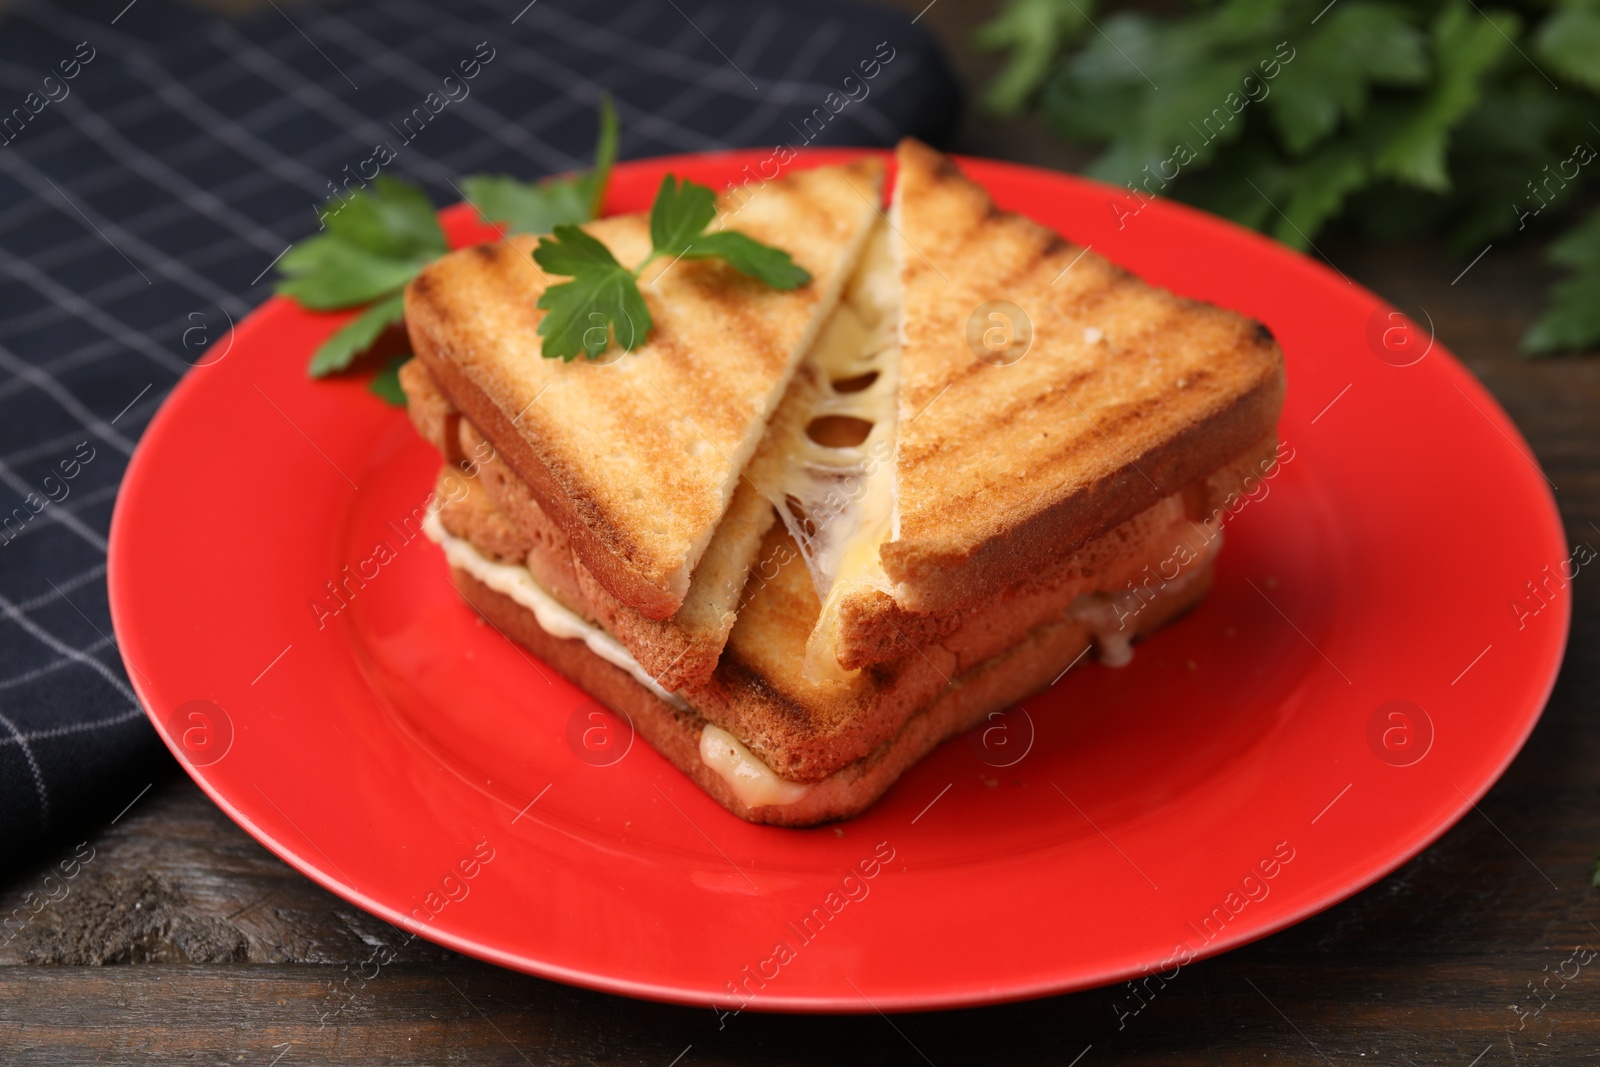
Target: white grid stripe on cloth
[[50, 289], [69, 403], [236, 135], [313, 96], [62, 515], [97, 645], [66, 515], [422, 81], [122, 240], [22, 740]]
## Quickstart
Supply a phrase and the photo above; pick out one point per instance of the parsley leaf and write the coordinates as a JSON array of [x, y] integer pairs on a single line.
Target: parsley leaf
[[377, 238], [1466, 46], [1034, 31], [394, 220], [680, 213], [749, 256], [678, 220], [1395, 119], [1569, 40], [539, 207], [572, 250], [356, 336], [592, 310], [605, 157], [1573, 319], [1357, 45], [526, 207], [327, 274], [602, 302], [386, 386]]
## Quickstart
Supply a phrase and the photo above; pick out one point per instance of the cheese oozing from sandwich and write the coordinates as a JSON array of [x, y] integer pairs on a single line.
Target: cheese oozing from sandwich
[[836, 490], [752, 781], [554, 617], [1110, 616]]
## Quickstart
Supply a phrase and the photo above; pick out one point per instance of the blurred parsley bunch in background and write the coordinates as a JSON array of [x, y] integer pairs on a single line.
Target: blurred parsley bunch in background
[[1473, 119]]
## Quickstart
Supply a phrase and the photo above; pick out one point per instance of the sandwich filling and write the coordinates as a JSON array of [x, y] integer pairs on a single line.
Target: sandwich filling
[[554, 617], [835, 492], [1111, 617], [752, 781]]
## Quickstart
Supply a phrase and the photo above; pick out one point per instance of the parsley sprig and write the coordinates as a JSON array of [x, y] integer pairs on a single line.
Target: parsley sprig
[[602, 303], [1386, 118], [539, 208], [374, 243], [376, 239]]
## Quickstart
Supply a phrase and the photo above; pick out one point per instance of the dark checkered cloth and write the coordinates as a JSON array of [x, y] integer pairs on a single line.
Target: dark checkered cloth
[[155, 163]]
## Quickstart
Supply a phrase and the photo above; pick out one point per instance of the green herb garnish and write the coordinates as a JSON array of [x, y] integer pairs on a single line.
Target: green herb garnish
[[1471, 120], [376, 239], [541, 207], [602, 302], [375, 242], [386, 384]]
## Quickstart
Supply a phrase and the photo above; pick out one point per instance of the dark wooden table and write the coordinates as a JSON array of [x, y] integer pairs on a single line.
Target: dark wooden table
[[184, 940]]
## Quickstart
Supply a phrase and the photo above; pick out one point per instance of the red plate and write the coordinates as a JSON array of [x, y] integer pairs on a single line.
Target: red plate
[[1357, 678]]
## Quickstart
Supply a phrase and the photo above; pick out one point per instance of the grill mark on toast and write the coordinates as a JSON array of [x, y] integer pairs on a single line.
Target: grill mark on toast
[[603, 450], [1128, 390]]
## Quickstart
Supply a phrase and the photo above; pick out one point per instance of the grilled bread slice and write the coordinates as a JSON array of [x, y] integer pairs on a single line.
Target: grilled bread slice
[[683, 736], [759, 739], [872, 627], [979, 474], [637, 457], [804, 733], [488, 504], [1127, 394]]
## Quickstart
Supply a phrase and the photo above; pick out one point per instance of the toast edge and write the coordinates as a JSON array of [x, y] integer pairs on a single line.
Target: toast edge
[[993, 685], [933, 579]]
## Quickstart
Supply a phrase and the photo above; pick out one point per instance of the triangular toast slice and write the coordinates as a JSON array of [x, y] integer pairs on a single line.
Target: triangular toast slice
[[637, 457], [1036, 396], [482, 494], [1004, 458]]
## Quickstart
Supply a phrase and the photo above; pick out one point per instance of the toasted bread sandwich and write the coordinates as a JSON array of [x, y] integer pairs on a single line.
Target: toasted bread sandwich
[[637, 460], [957, 528], [1101, 396]]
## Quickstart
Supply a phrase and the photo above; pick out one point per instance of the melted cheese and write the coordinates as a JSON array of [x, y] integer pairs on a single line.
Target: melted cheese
[[554, 617], [845, 495], [753, 782], [1110, 616]]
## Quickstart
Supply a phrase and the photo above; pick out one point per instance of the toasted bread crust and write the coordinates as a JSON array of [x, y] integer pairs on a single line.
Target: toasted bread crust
[[806, 732], [436, 420], [989, 686], [874, 627], [637, 461], [680, 651], [1127, 394], [468, 512]]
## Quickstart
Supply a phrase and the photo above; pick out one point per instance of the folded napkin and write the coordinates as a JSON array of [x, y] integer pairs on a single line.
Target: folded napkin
[[154, 163]]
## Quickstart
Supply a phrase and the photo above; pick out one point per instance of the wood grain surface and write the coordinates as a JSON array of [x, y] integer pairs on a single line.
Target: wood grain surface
[[179, 939]]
